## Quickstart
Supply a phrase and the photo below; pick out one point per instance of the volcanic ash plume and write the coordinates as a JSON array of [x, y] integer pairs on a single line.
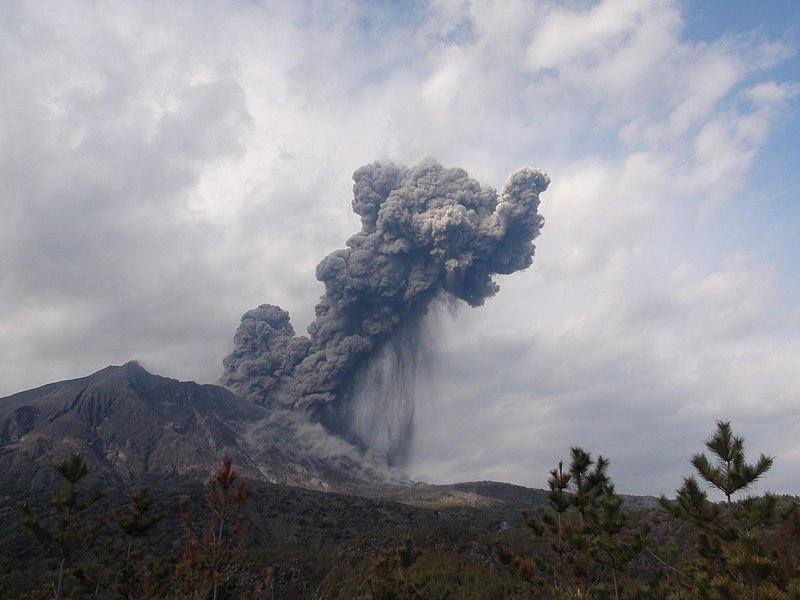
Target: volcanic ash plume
[[427, 232]]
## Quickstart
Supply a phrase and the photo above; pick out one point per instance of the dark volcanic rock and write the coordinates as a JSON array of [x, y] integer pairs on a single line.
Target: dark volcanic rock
[[134, 427]]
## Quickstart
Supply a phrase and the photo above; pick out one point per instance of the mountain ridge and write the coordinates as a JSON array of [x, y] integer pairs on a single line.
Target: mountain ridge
[[136, 427]]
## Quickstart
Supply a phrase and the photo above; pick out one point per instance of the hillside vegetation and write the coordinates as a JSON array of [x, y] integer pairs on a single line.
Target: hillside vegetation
[[236, 538]]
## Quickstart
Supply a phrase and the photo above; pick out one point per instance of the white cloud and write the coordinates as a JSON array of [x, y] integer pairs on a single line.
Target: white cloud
[[589, 36]]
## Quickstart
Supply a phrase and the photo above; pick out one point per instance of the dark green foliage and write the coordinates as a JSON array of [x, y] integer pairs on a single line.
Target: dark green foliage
[[580, 461], [67, 535], [137, 521], [691, 504], [588, 542], [560, 501], [389, 578], [208, 567], [589, 538], [131, 575], [407, 555], [729, 472], [610, 544], [450, 562], [787, 544], [738, 547]]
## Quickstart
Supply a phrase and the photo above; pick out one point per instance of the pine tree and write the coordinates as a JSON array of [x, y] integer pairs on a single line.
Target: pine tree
[[730, 473], [407, 555], [612, 545], [733, 556], [209, 561], [586, 526], [134, 523], [560, 500], [67, 535], [580, 461], [383, 583]]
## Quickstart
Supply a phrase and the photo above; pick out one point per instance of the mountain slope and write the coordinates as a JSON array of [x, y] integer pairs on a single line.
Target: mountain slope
[[136, 427]]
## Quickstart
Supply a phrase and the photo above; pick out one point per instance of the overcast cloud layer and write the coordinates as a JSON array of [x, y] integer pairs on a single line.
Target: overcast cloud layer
[[167, 166]]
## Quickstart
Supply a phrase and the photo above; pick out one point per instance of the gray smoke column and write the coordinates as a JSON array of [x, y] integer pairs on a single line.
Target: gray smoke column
[[426, 232]]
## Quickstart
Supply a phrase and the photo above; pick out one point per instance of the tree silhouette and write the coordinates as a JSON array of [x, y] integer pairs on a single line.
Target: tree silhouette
[[407, 555], [135, 522], [389, 578], [560, 500], [209, 561], [586, 527], [67, 535], [732, 545], [730, 473], [580, 461], [612, 545], [586, 482]]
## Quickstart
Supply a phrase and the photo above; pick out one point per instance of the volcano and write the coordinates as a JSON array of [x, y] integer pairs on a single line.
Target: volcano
[[135, 427]]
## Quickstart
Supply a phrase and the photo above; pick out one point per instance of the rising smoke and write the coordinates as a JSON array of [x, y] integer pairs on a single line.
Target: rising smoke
[[426, 232]]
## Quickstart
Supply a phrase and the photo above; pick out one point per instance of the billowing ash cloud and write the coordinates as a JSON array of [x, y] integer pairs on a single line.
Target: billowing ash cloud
[[427, 232]]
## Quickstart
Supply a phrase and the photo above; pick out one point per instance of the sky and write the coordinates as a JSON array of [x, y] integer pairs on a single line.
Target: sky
[[166, 166]]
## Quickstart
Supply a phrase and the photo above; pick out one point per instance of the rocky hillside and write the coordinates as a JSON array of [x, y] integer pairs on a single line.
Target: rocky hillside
[[136, 427]]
